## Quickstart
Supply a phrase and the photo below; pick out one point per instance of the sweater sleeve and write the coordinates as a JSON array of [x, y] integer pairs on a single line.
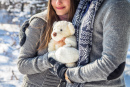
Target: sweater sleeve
[[116, 34], [28, 62]]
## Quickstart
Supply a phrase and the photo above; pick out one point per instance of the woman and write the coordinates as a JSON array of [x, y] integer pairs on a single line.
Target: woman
[[33, 58], [103, 35]]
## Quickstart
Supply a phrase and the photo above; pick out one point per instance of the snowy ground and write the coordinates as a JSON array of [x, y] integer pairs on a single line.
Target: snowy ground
[[9, 49], [8, 56]]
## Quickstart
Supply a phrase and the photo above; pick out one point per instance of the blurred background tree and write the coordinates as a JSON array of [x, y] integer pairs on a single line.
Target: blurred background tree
[[15, 6], [18, 11]]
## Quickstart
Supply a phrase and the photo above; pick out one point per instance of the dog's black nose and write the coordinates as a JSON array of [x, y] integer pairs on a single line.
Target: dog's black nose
[[54, 34]]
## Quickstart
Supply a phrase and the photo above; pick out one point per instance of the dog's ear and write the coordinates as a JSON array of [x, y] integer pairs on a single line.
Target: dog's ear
[[54, 24], [71, 28]]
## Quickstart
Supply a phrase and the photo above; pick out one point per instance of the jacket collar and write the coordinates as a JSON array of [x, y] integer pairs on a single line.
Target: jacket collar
[[42, 15]]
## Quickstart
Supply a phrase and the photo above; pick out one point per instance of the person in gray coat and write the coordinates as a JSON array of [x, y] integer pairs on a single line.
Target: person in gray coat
[[35, 35], [103, 33]]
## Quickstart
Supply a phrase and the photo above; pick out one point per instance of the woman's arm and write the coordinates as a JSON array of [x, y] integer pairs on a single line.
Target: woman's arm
[[29, 62], [116, 34]]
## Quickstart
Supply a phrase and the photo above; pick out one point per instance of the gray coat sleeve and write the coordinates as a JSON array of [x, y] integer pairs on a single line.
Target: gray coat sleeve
[[116, 34], [28, 62]]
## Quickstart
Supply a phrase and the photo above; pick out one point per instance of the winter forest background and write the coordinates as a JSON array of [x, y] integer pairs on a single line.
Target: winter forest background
[[12, 14]]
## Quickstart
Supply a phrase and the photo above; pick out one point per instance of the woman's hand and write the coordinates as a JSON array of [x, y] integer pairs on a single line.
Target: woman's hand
[[59, 68]]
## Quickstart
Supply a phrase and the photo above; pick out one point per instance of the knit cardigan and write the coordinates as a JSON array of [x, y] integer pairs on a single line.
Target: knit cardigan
[[107, 59], [32, 63]]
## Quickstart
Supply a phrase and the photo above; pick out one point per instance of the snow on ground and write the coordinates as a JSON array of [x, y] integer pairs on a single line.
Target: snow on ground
[[9, 50]]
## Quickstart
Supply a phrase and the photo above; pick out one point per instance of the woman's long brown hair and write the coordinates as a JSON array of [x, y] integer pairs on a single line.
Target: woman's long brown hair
[[51, 18]]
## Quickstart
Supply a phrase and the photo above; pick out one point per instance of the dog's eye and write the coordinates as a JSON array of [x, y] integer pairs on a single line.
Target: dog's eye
[[61, 30]]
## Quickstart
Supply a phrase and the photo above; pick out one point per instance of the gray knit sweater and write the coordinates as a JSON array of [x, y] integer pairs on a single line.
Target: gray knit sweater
[[110, 44], [109, 49], [32, 63]]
